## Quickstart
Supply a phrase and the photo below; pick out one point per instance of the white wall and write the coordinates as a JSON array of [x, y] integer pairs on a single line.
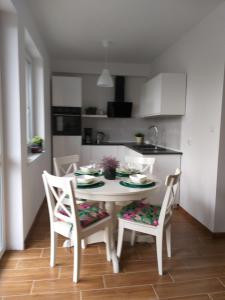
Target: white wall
[[13, 192], [200, 53], [24, 189], [219, 225]]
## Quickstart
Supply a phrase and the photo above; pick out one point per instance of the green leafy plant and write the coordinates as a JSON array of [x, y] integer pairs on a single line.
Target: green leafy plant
[[37, 140], [139, 134]]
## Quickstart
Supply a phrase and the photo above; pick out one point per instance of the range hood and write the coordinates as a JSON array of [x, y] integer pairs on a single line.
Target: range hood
[[119, 108]]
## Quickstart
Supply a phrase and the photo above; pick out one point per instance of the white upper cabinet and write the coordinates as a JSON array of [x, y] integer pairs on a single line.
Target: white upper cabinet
[[163, 95], [66, 91]]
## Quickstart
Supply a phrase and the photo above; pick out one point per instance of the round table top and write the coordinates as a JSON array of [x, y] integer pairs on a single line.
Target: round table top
[[114, 191]]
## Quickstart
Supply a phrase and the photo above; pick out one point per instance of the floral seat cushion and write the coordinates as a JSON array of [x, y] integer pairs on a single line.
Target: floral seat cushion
[[88, 214], [140, 212]]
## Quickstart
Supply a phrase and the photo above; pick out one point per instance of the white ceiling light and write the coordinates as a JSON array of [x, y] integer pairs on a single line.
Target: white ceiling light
[[105, 79]]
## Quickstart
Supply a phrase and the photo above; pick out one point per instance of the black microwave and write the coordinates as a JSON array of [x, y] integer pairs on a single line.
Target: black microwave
[[66, 120]]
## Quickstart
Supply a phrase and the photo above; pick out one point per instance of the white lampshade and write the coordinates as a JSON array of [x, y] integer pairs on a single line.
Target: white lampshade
[[105, 79]]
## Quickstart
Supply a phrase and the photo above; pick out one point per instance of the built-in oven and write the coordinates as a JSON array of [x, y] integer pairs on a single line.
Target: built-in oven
[[66, 120]]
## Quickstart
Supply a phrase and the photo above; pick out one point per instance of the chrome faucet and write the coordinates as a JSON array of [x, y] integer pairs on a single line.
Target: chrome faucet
[[156, 134]]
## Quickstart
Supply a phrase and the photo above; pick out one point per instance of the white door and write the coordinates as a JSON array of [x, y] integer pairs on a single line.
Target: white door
[[2, 208]]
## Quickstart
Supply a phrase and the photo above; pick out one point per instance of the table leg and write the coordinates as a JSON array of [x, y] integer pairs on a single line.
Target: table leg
[[110, 208]]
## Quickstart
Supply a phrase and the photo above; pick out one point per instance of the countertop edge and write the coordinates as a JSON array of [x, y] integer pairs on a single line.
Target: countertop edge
[[167, 151]]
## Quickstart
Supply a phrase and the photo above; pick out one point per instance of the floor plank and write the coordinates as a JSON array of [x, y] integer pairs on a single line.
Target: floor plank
[[196, 297], [88, 270], [188, 288], [59, 296], [196, 273], [65, 285], [15, 288], [131, 293], [218, 296], [137, 278], [29, 274]]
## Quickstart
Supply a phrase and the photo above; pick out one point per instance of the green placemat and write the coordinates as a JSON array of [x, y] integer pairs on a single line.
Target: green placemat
[[122, 175], [126, 184], [92, 186], [92, 174]]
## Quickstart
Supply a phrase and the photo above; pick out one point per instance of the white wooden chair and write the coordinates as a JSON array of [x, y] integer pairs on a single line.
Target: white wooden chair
[[144, 164], [67, 219], [150, 219], [65, 164]]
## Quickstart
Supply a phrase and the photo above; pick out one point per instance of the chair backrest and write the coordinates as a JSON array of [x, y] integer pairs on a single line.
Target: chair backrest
[[144, 164], [66, 164], [57, 189], [171, 183]]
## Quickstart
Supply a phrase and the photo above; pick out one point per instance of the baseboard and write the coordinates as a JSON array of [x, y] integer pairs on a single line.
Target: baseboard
[[186, 214]]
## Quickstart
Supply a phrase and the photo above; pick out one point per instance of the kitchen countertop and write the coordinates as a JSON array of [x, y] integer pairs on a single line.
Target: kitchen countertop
[[144, 149]]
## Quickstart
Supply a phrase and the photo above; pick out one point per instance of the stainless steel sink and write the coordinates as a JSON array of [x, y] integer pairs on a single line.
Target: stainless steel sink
[[149, 148]]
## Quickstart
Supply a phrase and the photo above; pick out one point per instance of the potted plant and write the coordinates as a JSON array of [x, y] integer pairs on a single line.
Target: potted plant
[[139, 137], [36, 144], [109, 165]]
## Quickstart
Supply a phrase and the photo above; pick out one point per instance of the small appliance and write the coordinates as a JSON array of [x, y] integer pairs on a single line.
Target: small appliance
[[100, 137], [88, 135]]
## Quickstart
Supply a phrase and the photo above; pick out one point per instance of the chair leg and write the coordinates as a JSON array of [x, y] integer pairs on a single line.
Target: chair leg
[[120, 239], [133, 237], [101, 205], [83, 244], [53, 247], [168, 240], [76, 261], [107, 243], [159, 240]]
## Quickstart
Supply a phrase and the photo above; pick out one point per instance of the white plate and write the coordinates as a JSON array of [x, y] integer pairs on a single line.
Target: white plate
[[85, 179], [87, 173], [126, 171], [88, 169], [140, 184], [138, 178], [96, 180]]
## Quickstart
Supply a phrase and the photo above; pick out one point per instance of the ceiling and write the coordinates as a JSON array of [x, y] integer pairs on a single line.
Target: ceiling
[[139, 29]]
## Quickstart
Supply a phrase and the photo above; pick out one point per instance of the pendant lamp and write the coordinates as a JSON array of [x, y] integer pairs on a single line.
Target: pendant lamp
[[105, 79]]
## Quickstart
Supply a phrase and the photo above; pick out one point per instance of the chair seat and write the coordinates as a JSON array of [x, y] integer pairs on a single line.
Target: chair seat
[[140, 212], [88, 214]]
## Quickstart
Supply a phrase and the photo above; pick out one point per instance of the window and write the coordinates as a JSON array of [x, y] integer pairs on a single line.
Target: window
[[29, 99], [34, 80]]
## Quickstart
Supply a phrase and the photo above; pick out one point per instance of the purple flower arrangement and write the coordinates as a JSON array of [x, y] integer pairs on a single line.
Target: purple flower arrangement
[[109, 162], [109, 165]]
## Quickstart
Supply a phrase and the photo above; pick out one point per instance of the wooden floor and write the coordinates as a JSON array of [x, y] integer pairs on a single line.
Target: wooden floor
[[196, 271]]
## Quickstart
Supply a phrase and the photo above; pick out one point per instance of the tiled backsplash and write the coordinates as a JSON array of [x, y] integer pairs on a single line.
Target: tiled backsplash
[[117, 129]]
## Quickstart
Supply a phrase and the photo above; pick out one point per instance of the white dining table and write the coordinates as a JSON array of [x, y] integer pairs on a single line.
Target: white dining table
[[110, 193]]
